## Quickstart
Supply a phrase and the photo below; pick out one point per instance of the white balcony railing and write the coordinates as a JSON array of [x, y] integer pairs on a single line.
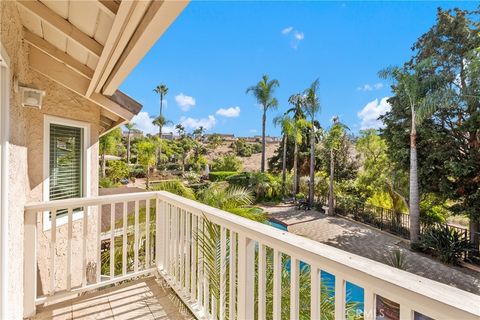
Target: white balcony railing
[[78, 256]]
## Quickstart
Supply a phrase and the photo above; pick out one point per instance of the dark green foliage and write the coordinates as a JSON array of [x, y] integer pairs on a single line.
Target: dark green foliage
[[176, 187], [448, 243], [246, 149], [228, 162], [220, 175], [138, 172]]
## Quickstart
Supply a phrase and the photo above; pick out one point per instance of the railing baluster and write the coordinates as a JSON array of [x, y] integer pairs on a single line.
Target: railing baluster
[[188, 244], [262, 263], [136, 237], [175, 244], [233, 275], [315, 293], [161, 240], [148, 262], [277, 284], [53, 239], [69, 249], [246, 277], [171, 234], [368, 304], [194, 263], [86, 209], [181, 247], [124, 239], [294, 287], [99, 243], [223, 271], [339, 297], [112, 240], [200, 265]]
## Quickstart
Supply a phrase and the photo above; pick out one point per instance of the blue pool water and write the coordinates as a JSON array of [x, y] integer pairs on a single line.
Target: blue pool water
[[354, 292]]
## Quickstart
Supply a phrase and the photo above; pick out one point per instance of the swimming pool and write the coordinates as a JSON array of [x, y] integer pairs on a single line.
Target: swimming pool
[[353, 293]]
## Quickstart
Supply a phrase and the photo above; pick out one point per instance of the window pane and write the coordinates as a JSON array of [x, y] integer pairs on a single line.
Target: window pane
[[387, 309], [66, 161]]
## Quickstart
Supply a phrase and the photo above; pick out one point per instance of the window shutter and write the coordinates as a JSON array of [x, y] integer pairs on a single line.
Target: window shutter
[[66, 162]]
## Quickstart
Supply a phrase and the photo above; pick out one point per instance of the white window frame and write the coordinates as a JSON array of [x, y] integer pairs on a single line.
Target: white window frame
[[86, 165]]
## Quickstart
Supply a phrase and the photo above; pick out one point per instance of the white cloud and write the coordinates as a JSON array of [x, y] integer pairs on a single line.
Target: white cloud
[[370, 113], [231, 112], [295, 36], [299, 35], [370, 87], [143, 121], [185, 102], [193, 123], [287, 30]]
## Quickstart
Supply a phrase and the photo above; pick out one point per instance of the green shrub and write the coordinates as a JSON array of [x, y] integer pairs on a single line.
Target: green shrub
[[220, 175], [228, 162], [445, 242], [242, 179], [191, 177], [396, 258], [176, 187], [106, 183], [138, 172], [117, 170], [246, 149]]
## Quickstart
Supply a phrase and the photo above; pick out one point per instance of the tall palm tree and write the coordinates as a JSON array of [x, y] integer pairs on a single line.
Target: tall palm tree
[[422, 98], [263, 91], [334, 140], [129, 126], [162, 91], [160, 121], [311, 107], [297, 100], [286, 123]]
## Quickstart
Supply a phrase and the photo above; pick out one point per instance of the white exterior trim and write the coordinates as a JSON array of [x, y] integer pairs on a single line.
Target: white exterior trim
[[4, 168], [86, 170]]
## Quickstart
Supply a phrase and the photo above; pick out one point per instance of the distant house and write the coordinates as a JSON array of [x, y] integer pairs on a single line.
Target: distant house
[[224, 137], [268, 139], [168, 136], [134, 134]]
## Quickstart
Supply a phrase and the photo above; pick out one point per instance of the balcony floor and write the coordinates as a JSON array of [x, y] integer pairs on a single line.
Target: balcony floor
[[147, 298]]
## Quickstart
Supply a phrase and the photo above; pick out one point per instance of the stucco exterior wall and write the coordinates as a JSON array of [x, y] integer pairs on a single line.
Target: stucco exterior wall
[[26, 164]]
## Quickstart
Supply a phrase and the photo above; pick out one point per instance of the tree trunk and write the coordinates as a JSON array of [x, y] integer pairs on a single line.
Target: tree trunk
[[331, 194], [103, 165], [264, 120], [128, 148], [160, 148], [414, 196], [295, 169], [311, 189], [147, 183], [284, 165], [474, 227]]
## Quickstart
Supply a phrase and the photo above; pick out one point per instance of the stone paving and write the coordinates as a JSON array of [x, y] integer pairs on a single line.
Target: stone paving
[[147, 298], [371, 243]]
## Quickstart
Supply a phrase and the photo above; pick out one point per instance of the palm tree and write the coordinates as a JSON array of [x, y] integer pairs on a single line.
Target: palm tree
[[422, 99], [263, 91], [146, 157], [129, 126], [286, 123], [311, 107], [107, 144], [297, 100], [334, 141], [160, 121]]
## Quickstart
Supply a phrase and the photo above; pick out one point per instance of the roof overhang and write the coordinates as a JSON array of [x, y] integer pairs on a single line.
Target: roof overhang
[[90, 47]]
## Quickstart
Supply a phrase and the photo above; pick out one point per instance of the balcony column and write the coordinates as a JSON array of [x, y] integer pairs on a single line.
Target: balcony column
[[30, 264]]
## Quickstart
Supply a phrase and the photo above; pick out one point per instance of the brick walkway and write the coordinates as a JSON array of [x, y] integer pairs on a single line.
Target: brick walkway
[[370, 243]]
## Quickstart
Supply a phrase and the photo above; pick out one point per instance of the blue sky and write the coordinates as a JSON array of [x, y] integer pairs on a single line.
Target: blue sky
[[215, 50]]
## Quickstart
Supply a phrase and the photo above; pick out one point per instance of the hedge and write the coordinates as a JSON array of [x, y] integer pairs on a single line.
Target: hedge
[[221, 175]]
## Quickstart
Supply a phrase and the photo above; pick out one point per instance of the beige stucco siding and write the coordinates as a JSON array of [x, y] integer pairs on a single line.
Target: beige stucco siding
[[26, 161]]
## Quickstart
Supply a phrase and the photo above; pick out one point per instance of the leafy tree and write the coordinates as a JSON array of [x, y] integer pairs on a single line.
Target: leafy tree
[[129, 126], [146, 157], [185, 144], [160, 121], [214, 141], [108, 144], [286, 123], [263, 92], [117, 170]]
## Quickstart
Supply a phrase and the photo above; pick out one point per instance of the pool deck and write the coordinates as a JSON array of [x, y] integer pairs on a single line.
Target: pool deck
[[371, 243]]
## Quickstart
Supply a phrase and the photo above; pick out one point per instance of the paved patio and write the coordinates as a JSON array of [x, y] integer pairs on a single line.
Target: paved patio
[[374, 244], [147, 298]]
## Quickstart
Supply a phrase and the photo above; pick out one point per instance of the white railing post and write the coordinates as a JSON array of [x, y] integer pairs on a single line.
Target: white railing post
[[160, 234], [339, 297], [246, 277], [368, 304], [30, 264]]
